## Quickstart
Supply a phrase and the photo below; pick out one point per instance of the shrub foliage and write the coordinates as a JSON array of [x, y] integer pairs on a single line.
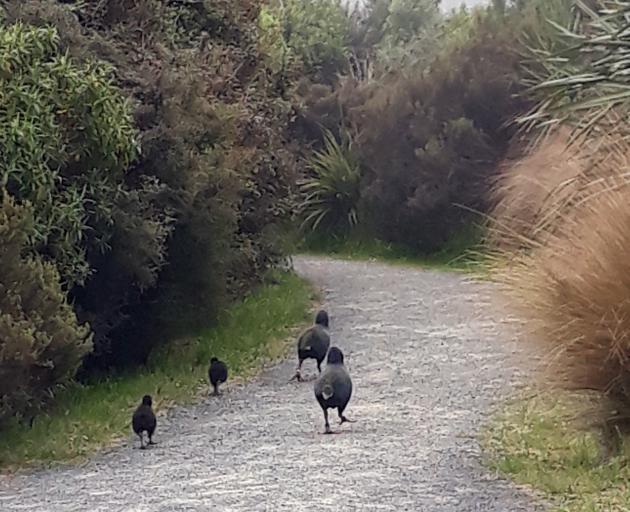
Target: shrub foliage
[[428, 142], [151, 141], [41, 342]]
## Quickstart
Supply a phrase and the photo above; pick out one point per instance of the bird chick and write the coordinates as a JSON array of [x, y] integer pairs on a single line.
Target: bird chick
[[143, 420], [217, 373], [334, 388], [313, 343]]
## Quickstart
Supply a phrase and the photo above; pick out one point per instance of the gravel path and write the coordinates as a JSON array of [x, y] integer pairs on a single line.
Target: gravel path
[[428, 353]]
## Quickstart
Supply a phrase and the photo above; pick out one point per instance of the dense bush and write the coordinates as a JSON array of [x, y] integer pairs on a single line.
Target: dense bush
[[168, 235], [426, 143], [436, 144], [66, 138], [309, 37], [41, 342]]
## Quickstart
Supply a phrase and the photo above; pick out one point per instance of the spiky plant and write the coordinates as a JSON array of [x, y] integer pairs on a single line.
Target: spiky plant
[[331, 191], [584, 77]]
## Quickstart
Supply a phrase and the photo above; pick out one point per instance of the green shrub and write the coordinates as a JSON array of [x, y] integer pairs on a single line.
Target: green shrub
[[408, 39], [315, 33], [197, 218], [214, 148], [67, 138], [41, 342], [575, 65], [428, 136]]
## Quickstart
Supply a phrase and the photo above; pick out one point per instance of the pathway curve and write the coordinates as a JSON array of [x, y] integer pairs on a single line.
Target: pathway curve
[[429, 354]]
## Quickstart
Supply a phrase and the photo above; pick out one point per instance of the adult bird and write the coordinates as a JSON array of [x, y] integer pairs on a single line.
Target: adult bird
[[313, 343], [143, 420], [334, 388], [217, 373]]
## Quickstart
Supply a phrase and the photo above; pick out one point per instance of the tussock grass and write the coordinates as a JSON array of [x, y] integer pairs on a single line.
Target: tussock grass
[[89, 417], [528, 191], [570, 284], [572, 293]]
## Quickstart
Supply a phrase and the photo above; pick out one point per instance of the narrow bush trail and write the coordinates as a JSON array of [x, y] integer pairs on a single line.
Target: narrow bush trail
[[428, 353]]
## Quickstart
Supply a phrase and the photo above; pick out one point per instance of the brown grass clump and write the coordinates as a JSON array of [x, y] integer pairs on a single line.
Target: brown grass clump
[[573, 290], [527, 189]]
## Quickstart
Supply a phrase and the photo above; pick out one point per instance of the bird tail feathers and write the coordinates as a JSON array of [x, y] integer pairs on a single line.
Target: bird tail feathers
[[327, 392]]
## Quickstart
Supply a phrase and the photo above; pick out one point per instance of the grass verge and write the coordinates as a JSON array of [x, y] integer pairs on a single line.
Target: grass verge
[[541, 442], [458, 254], [88, 417]]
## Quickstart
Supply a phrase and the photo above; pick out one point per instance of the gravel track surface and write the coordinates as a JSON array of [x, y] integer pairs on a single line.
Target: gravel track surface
[[429, 355]]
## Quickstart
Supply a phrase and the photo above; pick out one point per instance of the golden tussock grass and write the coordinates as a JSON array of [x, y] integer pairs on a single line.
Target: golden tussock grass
[[571, 283], [525, 190]]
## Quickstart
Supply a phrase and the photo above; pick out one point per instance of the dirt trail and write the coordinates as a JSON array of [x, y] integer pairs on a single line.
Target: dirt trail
[[428, 354]]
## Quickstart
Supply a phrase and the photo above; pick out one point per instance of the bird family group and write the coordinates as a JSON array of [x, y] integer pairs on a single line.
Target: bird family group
[[333, 388]]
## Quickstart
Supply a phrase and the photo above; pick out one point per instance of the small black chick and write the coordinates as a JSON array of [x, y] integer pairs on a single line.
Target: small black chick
[[144, 420], [217, 373], [313, 343], [334, 388]]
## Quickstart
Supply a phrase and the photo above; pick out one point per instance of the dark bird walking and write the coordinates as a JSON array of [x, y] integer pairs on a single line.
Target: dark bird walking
[[217, 373], [313, 343], [143, 420], [334, 388]]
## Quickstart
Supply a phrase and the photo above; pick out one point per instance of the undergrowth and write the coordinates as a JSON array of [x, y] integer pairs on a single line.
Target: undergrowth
[[460, 253]]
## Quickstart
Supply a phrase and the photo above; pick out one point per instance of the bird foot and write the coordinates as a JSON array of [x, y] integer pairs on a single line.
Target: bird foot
[[152, 442], [142, 447], [297, 376], [343, 419]]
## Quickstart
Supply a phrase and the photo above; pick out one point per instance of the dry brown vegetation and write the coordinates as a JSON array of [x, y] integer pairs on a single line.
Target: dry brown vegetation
[[570, 283], [525, 185]]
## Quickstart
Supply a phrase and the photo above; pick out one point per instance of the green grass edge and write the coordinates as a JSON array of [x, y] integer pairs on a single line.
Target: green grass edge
[[462, 253], [543, 440], [89, 418]]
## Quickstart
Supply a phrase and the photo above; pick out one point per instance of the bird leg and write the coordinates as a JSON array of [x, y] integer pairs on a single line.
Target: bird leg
[[298, 372], [343, 419], [328, 431], [141, 436], [319, 366], [216, 389], [151, 441]]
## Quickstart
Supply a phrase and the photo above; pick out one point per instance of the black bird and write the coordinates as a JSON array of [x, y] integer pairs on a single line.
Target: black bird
[[313, 343], [217, 373], [144, 420], [334, 388]]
